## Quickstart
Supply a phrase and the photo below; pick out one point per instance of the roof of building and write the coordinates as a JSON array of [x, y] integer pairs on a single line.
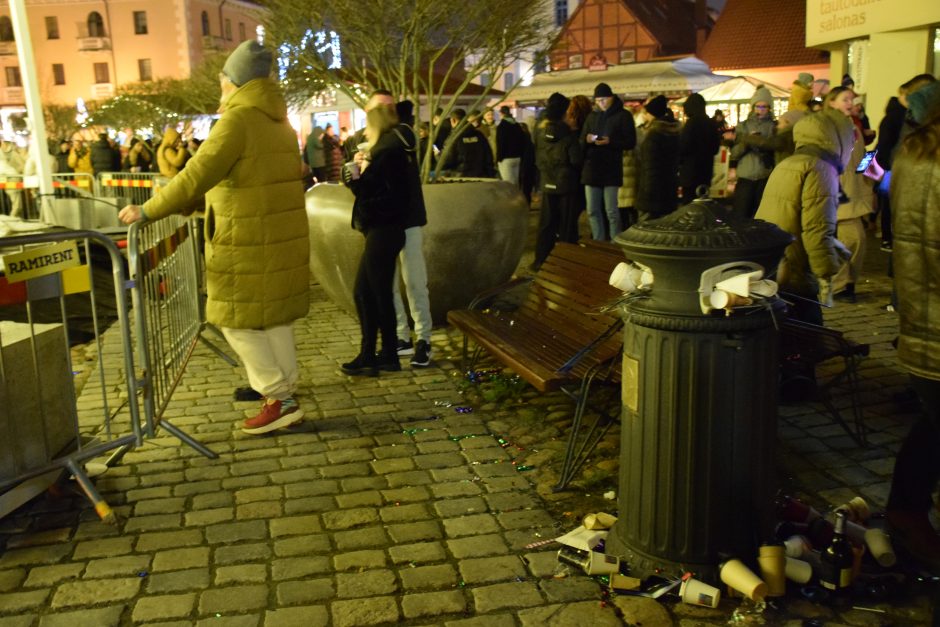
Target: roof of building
[[670, 22], [758, 33]]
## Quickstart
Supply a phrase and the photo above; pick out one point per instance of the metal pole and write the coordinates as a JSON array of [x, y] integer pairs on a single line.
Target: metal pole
[[39, 147]]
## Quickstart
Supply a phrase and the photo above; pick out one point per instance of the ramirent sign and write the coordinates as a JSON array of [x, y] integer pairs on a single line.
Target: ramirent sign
[[37, 262]]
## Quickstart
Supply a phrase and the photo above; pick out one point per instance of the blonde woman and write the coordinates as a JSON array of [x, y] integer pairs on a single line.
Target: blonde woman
[[379, 180]]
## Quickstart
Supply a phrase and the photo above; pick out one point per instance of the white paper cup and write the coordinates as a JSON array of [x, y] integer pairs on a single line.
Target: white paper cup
[[695, 592], [798, 571], [879, 544], [363, 147], [741, 578], [797, 546]]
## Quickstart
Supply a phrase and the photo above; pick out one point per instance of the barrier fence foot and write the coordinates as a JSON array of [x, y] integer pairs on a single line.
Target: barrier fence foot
[[187, 439], [115, 458], [102, 508]]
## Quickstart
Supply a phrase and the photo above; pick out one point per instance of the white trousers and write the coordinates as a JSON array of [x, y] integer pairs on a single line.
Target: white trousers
[[412, 268], [509, 169], [270, 358]]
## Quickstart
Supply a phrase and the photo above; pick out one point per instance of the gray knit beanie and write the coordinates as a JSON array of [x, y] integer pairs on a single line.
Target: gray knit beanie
[[250, 60], [762, 94]]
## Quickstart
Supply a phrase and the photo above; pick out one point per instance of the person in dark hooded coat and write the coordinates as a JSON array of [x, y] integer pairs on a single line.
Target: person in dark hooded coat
[[607, 132], [558, 157], [698, 143], [657, 158]]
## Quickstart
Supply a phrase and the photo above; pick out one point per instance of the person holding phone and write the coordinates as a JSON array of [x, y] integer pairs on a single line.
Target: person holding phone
[[607, 133]]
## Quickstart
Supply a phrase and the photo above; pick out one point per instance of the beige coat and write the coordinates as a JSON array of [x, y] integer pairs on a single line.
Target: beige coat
[[915, 200], [257, 243]]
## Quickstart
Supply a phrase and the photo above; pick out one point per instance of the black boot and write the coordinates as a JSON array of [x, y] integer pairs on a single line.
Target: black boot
[[364, 364], [388, 361]]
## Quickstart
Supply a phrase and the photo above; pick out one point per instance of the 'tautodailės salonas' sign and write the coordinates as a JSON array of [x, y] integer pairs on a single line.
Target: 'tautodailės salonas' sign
[[837, 20]]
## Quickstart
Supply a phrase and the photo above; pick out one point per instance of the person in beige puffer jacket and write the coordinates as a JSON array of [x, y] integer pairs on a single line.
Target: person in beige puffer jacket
[[915, 198], [802, 197], [257, 241]]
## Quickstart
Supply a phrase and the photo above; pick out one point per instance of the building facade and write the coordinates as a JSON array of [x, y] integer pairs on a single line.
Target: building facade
[[879, 43], [87, 48], [617, 32]]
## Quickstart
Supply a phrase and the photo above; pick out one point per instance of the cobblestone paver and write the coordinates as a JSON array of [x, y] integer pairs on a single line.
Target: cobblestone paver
[[385, 505]]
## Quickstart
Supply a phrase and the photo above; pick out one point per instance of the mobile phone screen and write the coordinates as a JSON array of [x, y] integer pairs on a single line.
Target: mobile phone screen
[[866, 161]]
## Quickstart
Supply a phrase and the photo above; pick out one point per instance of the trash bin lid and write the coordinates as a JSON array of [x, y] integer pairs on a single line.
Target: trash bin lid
[[703, 226]]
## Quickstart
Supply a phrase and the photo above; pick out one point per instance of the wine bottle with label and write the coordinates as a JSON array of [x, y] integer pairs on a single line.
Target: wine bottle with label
[[835, 572]]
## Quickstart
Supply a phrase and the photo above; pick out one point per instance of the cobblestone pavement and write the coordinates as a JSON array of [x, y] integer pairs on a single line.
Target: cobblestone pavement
[[387, 506]]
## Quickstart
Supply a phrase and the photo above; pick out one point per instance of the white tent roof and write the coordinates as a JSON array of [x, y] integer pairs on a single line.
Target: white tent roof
[[740, 89], [632, 79]]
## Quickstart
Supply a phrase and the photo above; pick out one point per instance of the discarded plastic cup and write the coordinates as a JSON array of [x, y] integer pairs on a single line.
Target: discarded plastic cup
[[798, 571], [772, 561], [739, 577], [600, 520], [695, 592], [879, 543]]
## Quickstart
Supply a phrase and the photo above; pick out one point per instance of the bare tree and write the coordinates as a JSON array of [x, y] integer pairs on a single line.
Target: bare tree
[[425, 50]]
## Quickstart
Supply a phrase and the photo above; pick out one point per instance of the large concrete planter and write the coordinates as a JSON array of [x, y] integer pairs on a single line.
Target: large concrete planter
[[473, 241]]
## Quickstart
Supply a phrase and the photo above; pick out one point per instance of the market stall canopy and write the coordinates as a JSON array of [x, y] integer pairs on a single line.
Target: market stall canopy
[[739, 89], [684, 74]]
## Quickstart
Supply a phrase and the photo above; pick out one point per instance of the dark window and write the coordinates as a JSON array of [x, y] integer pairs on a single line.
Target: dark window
[[205, 24], [52, 27], [241, 31], [561, 12], [140, 22], [6, 29], [58, 74], [96, 25], [228, 29], [13, 77], [508, 81], [102, 74], [146, 69]]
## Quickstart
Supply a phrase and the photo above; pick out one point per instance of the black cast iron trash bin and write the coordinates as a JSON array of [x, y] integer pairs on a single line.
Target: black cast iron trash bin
[[699, 394]]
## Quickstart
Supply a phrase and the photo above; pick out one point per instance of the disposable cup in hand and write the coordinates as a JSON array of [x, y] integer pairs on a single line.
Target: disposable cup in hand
[[741, 578], [363, 147], [695, 592]]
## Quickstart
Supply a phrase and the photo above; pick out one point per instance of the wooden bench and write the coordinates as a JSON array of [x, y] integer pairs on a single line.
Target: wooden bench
[[805, 346], [558, 338]]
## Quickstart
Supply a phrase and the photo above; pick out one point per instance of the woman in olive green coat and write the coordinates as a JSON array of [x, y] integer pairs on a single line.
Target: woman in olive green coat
[[257, 244], [801, 197]]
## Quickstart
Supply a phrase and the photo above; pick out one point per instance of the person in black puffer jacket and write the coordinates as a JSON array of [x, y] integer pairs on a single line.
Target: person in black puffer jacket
[[379, 212], [657, 179], [698, 143], [607, 132], [558, 157], [105, 158]]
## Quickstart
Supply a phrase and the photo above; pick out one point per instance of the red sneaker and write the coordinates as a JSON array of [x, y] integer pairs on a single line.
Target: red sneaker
[[273, 415]]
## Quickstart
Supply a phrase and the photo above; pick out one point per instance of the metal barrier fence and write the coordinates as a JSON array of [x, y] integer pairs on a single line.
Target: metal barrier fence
[[164, 267], [137, 187], [19, 195], [53, 301]]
